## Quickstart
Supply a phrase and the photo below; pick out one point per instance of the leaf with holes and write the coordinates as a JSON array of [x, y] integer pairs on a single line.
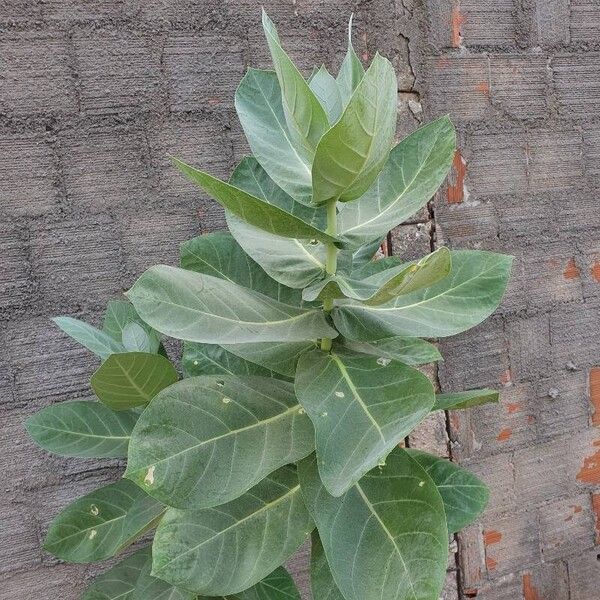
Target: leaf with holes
[[412, 351]]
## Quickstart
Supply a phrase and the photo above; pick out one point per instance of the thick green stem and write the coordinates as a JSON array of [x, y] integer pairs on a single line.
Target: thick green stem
[[331, 262]]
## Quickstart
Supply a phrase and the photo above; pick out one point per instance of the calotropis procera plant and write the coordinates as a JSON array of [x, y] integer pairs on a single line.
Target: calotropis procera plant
[[299, 367]]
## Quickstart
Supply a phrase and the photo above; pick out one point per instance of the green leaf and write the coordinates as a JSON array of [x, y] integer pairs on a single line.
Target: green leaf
[[259, 108], [210, 359], [137, 339], [414, 170], [361, 407], [327, 91], [412, 351], [410, 278], [464, 495], [118, 583], [336, 286], [253, 210], [351, 154], [96, 341], [151, 588], [351, 72], [201, 308], [305, 117], [82, 428], [102, 523], [277, 586], [207, 440], [463, 299], [280, 357], [322, 583], [119, 316], [386, 537], [458, 400], [365, 254], [219, 255], [226, 549], [132, 379]]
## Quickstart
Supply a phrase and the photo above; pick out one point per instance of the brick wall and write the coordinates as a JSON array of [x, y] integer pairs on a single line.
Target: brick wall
[[95, 93]]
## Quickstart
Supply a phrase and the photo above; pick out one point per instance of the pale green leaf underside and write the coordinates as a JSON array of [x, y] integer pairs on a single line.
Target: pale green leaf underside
[[322, 583], [351, 71], [326, 89], [132, 379], [251, 209], [463, 299], [305, 117], [102, 523], [207, 440], [226, 549], [414, 170], [151, 588], [259, 108], [137, 339], [361, 407], [468, 399], [100, 343], [82, 428], [412, 351], [201, 308], [351, 154], [386, 537], [119, 314], [464, 495]]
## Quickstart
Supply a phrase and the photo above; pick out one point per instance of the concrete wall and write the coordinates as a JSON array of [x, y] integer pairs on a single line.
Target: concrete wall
[[94, 93]]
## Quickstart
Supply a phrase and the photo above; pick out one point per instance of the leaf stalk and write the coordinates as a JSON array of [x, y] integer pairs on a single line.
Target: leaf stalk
[[331, 261]]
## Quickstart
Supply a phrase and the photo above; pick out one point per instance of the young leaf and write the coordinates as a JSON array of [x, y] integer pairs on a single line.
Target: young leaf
[[253, 210], [96, 341], [411, 351], [386, 537], [207, 440], [137, 339], [201, 308], [327, 91], [305, 117], [118, 583], [414, 170], [458, 400], [351, 72], [259, 108], [351, 154], [132, 379], [119, 316], [464, 495], [461, 300], [361, 407], [336, 286], [224, 550], [322, 583], [82, 428], [102, 523]]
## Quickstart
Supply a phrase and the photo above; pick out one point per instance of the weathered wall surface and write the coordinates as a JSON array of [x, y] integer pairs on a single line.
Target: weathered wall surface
[[95, 93]]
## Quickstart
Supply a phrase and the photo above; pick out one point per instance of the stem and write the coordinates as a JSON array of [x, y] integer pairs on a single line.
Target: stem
[[331, 262]]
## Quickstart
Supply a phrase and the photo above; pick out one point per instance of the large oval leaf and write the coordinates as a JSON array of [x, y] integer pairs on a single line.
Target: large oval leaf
[[351, 154], [386, 537], [361, 407], [414, 170], [100, 343], [201, 308], [464, 495], [206, 440], [461, 300], [259, 108], [412, 351], [148, 587], [132, 379], [82, 428], [226, 549], [322, 583], [102, 523], [253, 210]]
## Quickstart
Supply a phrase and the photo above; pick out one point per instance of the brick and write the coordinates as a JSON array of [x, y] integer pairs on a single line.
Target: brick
[[19, 10], [518, 85], [577, 82], [27, 176], [299, 566], [411, 242], [15, 285], [584, 20], [467, 225], [106, 169], [61, 581], [488, 22], [552, 20], [566, 527], [77, 261], [431, 435], [546, 581], [583, 574], [36, 74], [19, 542], [119, 72], [202, 71], [90, 10], [462, 86]]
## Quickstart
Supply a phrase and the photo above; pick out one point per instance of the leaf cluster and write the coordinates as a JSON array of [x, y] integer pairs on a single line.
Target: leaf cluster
[[300, 367]]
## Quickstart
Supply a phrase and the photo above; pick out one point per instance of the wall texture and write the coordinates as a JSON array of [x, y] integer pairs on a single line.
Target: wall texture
[[95, 93]]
